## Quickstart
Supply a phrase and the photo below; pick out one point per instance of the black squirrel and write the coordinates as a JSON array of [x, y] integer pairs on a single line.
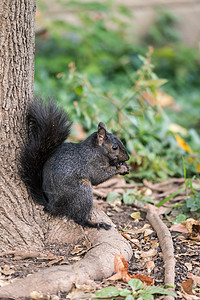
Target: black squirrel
[[60, 175]]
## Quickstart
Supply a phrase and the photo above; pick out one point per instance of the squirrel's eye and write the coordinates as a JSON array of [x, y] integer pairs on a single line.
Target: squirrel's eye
[[114, 147]]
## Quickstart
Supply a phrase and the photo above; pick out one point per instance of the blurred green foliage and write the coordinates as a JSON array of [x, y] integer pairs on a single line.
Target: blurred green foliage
[[98, 73]]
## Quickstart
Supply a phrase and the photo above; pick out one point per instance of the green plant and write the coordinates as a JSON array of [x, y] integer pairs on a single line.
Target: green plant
[[142, 127], [163, 30], [97, 44], [192, 199], [138, 291], [190, 205], [107, 79]]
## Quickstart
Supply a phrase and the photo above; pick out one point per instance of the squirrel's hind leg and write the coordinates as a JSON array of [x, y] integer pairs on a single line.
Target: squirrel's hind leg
[[82, 206]]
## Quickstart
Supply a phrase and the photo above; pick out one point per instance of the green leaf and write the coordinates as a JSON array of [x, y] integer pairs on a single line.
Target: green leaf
[[129, 297], [136, 284], [167, 285], [107, 292], [112, 196], [180, 218], [147, 297], [125, 292], [135, 215], [159, 290], [128, 197], [78, 90], [155, 82], [194, 203]]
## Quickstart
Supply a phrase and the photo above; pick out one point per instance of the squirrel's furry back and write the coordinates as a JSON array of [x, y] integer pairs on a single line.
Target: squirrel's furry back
[[48, 127]]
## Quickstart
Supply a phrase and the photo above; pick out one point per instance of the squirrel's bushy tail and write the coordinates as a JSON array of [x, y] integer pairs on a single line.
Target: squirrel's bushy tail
[[48, 127]]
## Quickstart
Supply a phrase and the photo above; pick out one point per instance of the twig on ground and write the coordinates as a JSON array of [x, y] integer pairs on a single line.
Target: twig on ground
[[166, 245], [160, 186]]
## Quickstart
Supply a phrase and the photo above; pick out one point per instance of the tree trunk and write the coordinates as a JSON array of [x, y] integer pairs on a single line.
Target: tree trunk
[[20, 222], [23, 224]]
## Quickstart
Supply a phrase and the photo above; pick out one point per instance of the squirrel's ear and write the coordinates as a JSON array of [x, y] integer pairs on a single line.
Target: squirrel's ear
[[101, 133]]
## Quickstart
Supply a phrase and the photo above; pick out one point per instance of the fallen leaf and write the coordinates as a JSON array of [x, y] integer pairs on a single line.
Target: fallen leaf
[[55, 261], [121, 269], [49, 257], [195, 278], [179, 228], [187, 286], [139, 230], [75, 258], [150, 266], [148, 232], [193, 228], [77, 249], [154, 244], [186, 296], [149, 253], [135, 215], [147, 280], [189, 266]]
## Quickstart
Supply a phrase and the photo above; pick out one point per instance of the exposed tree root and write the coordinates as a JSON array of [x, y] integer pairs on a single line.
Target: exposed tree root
[[97, 264], [166, 245]]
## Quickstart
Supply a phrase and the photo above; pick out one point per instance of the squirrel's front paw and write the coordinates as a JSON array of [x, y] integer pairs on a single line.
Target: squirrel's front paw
[[122, 168]]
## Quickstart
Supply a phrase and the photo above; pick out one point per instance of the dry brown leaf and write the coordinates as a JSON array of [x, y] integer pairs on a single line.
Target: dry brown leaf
[[187, 286], [150, 266], [149, 253], [75, 258], [186, 296], [193, 228], [55, 261], [139, 230], [195, 278], [116, 276], [179, 228], [121, 269], [147, 280], [162, 99], [189, 266], [49, 257], [154, 244], [148, 232], [77, 249]]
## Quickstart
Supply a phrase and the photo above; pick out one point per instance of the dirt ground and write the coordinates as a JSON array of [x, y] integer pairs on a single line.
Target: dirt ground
[[146, 260]]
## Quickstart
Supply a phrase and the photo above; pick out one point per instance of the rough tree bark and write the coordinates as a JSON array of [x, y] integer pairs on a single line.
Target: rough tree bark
[[16, 89], [24, 225]]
